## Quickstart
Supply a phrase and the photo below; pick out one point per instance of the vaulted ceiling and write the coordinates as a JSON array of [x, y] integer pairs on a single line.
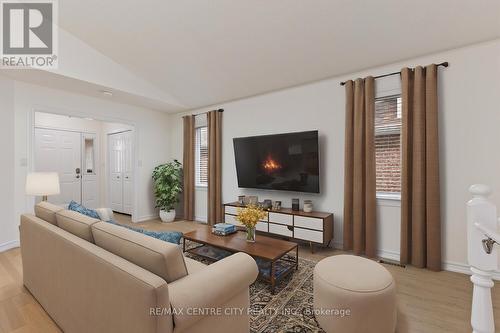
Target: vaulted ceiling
[[206, 52]]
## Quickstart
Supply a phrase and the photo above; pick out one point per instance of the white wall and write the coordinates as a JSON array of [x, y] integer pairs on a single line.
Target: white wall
[[469, 136], [8, 230], [151, 130], [62, 122]]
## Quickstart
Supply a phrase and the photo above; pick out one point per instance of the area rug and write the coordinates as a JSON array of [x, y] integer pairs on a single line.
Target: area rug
[[289, 309]]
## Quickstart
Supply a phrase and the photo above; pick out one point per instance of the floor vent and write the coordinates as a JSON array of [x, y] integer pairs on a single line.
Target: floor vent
[[391, 262]]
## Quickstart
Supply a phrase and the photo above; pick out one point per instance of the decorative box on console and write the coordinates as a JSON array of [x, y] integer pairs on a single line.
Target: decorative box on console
[[313, 227]]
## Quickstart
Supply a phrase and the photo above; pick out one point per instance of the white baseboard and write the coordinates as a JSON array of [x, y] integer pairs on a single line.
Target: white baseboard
[[464, 269], [203, 219], [390, 255], [447, 265], [146, 218], [9, 245]]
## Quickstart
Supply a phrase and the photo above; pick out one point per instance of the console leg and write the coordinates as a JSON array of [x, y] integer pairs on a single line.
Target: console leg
[[273, 279], [297, 258]]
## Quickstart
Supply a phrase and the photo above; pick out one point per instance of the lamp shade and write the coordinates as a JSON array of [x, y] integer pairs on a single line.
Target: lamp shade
[[42, 183]]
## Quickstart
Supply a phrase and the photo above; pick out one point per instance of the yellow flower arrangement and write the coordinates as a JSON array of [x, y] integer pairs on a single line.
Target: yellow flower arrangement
[[250, 215]]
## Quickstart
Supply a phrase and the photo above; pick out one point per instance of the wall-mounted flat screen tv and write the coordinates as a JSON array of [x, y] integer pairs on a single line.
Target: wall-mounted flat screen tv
[[286, 162]]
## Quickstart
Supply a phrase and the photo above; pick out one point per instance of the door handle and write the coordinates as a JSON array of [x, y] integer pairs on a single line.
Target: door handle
[[77, 176]]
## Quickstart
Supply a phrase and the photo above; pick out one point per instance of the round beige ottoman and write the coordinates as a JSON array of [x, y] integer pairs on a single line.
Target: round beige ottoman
[[354, 295]]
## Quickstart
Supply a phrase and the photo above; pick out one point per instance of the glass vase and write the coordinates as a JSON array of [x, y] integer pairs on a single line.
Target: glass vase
[[251, 234]]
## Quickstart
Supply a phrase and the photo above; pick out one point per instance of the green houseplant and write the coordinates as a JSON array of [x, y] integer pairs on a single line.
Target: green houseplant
[[167, 180]]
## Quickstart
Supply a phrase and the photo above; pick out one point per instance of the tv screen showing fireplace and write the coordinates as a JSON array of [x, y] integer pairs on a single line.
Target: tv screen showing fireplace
[[286, 162]]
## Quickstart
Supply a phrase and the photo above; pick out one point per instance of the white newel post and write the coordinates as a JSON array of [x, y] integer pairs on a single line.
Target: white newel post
[[481, 227]]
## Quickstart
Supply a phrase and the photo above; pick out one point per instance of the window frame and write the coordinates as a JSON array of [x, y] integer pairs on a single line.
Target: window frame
[[391, 196], [197, 171]]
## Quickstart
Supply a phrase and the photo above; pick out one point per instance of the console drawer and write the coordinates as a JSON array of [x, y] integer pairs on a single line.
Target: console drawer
[[231, 220], [279, 230], [281, 218], [308, 222], [231, 210], [308, 235], [262, 226]]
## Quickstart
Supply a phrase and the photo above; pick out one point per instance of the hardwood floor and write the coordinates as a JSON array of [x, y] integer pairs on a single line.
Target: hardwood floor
[[428, 302], [19, 311]]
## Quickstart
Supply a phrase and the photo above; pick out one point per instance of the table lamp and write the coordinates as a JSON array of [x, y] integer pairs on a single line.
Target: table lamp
[[42, 184]]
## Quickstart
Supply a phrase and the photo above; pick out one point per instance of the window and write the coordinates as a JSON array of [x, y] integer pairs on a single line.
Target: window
[[89, 155], [388, 145], [201, 156]]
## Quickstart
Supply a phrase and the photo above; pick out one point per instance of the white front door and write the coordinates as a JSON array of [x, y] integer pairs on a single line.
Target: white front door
[[60, 151]]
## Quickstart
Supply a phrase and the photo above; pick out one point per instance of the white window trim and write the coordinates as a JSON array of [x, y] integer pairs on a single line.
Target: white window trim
[[389, 196], [389, 199], [198, 184]]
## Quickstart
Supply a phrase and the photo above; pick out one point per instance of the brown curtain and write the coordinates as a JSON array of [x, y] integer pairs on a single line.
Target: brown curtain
[[420, 204], [214, 119], [360, 231], [188, 167]]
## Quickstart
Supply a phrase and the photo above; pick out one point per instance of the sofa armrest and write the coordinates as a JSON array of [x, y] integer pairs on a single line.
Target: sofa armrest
[[210, 288]]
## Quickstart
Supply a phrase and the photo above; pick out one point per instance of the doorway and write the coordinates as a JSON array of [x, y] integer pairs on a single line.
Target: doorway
[[120, 171], [80, 151], [59, 151]]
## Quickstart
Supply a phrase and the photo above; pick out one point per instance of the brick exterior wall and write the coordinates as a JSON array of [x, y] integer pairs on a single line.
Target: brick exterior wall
[[388, 162], [388, 144]]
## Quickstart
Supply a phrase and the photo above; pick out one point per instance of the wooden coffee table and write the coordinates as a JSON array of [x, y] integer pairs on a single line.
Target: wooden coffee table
[[264, 248]]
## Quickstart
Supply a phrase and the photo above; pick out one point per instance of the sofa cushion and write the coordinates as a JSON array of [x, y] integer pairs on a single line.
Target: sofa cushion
[[159, 257], [76, 223], [46, 211]]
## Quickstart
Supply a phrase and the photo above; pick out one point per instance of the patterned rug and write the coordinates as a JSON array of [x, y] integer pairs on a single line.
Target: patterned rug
[[289, 309]]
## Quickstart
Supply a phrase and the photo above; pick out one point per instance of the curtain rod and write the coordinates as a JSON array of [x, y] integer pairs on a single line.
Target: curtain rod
[[444, 64], [198, 114]]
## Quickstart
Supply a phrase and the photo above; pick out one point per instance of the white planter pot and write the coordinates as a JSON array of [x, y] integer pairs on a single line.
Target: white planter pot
[[167, 216]]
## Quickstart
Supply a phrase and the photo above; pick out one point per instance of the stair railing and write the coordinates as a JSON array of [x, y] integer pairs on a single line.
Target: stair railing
[[482, 252]]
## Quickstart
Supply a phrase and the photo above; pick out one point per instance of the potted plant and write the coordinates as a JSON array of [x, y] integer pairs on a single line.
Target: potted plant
[[167, 186], [249, 216]]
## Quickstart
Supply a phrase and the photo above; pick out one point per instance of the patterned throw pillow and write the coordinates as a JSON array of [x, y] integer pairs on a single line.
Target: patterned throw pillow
[[105, 214], [74, 206], [173, 237]]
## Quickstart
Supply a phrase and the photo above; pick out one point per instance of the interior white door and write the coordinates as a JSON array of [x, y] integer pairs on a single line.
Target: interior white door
[[115, 143], [59, 151], [127, 172]]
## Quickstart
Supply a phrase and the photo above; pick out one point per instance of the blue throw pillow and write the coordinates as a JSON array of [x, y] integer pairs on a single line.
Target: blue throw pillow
[[74, 206], [173, 237]]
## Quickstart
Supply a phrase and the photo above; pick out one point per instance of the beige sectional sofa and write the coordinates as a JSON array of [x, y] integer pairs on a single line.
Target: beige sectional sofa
[[93, 276]]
